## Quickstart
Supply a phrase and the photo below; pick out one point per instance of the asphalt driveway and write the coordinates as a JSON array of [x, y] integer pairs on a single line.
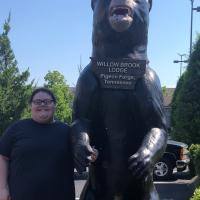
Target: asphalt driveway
[[180, 187]]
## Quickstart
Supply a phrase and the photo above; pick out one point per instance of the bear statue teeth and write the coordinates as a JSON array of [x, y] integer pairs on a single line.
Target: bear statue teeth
[[120, 18], [120, 11]]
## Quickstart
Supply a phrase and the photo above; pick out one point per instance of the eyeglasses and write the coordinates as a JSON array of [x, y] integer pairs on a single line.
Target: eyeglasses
[[38, 102]]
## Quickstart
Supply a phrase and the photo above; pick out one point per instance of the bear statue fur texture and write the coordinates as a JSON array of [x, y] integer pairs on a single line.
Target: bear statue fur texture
[[127, 127]]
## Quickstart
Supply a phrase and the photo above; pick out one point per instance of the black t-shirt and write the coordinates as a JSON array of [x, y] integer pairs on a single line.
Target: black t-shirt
[[40, 161]]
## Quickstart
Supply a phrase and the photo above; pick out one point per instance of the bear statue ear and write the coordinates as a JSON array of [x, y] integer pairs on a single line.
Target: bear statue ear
[[93, 4], [150, 4]]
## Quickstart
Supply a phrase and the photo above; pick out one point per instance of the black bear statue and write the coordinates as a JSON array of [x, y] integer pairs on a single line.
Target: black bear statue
[[126, 126]]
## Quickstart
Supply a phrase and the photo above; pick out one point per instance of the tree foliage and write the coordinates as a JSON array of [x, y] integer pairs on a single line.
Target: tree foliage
[[175, 99], [186, 101], [56, 82], [14, 91], [196, 195], [194, 153], [164, 90]]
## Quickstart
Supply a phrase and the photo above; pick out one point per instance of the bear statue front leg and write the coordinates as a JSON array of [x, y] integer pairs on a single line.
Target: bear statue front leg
[[81, 148], [142, 162], [152, 117]]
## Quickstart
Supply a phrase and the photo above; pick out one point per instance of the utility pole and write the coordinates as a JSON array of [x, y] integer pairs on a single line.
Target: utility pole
[[181, 61], [191, 25], [191, 22]]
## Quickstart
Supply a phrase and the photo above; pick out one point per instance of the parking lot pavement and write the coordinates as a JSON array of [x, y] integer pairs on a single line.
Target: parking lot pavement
[[177, 190], [79, 186], [180, 187]]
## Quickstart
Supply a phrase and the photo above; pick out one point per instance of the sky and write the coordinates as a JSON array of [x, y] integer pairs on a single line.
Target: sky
[[49, 35]]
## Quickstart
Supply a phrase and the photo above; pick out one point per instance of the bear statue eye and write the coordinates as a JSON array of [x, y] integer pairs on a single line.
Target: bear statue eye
[[137, 1]]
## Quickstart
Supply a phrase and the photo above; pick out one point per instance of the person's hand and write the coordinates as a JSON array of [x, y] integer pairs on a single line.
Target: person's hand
[[4, 194], [140, 164]]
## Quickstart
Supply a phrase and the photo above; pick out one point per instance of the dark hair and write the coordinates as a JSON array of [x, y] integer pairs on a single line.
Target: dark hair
[[42, 89]]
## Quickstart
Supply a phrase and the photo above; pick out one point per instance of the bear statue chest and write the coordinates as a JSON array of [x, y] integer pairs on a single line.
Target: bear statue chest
[[117, 119], [117, 103], [118, 111]]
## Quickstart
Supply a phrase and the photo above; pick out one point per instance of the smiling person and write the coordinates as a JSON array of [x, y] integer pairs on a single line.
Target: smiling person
[[35, 155]]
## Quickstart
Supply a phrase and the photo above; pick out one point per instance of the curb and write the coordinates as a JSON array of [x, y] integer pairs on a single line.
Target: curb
[[177, 190]]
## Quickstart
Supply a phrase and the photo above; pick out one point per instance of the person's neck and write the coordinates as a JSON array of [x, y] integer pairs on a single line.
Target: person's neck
[[47, 122]]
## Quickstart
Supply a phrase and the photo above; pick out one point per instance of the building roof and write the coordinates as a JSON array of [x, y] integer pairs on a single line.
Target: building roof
[[168, 95]]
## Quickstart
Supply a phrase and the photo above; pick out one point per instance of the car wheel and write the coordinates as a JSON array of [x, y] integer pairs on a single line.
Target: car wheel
[[162, 170]]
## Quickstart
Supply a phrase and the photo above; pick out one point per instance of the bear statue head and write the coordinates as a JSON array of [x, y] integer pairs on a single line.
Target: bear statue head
[[120, 28]]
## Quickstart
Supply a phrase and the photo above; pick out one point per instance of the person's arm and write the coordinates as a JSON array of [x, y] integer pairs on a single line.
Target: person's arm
[[4, 191]]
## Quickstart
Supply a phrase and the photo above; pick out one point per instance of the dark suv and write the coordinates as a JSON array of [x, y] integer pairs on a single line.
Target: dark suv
[[175, 156]]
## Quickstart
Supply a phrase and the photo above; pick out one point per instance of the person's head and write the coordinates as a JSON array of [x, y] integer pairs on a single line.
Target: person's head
[[42, 102]]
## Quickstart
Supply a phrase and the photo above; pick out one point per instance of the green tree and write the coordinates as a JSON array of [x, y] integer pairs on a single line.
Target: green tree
[[164, 90], [56, 82], [175, 100], [14, 91], [186, 104]]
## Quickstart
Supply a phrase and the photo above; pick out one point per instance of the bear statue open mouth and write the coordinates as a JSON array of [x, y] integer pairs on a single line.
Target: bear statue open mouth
[[120, 18]]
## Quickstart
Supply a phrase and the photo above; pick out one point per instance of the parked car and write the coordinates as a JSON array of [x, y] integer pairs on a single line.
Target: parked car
[[175, 156]]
